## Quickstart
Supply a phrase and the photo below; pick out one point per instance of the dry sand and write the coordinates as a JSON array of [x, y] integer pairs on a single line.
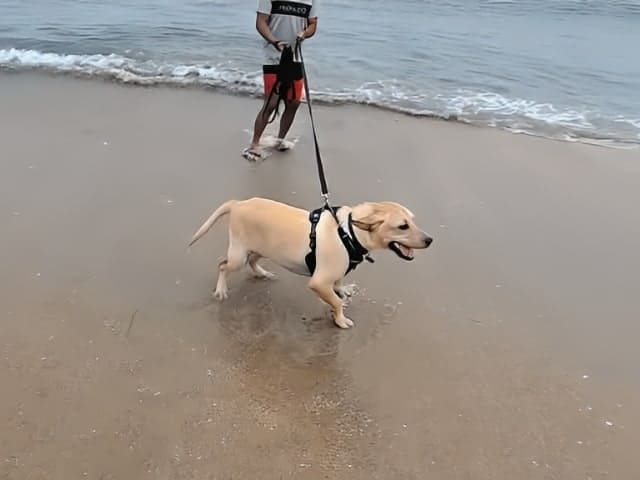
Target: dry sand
[[506, 351]]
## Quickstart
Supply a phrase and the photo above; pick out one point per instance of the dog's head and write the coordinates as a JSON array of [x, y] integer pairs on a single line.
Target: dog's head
[[389, 225]]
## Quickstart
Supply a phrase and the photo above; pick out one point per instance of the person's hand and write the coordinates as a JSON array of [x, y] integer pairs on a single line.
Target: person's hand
[[280, 46], [301, 36]]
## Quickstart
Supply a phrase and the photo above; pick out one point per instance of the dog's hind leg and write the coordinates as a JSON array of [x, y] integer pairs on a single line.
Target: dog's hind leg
[[257, 270], [236, 258]]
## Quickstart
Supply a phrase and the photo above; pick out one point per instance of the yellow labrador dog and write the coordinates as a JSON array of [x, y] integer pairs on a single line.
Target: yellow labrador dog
[[310, 243]]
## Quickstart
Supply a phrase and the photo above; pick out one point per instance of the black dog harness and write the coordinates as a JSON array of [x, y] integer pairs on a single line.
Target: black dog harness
[[357, 253]]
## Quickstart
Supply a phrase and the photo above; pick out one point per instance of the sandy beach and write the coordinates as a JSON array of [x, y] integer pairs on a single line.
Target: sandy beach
[[508, 350]]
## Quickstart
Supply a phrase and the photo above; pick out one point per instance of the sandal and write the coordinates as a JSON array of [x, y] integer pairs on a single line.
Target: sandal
[[252, 154], [284, 145]]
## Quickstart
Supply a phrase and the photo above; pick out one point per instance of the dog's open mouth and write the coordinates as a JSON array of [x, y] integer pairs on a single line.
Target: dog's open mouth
[[402, 251]]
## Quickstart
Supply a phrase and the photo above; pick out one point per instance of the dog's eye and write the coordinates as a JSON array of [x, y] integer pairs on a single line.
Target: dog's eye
[[404, 226]]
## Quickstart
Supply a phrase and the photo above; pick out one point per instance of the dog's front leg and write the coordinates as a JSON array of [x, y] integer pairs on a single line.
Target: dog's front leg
[[345, 292], [325, 290]]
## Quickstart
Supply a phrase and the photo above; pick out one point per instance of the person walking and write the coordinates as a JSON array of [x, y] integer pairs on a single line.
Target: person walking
[[281, 24]]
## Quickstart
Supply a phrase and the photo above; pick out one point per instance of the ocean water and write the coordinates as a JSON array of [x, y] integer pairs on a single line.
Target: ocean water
[[567, 69]]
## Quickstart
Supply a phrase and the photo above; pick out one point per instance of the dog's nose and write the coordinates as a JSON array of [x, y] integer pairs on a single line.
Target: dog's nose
[[427, 241]]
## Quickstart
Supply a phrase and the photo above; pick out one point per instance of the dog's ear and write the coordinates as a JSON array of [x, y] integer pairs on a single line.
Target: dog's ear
[[364, 225], [370, 218]]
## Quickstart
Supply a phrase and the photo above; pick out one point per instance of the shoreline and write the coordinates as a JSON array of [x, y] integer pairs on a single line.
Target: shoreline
[[250, 92]]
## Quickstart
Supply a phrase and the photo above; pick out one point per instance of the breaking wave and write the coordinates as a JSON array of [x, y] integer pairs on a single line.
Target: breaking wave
[[475, 107]]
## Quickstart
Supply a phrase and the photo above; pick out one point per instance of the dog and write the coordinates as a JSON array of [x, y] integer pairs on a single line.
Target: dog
[[263, 228]]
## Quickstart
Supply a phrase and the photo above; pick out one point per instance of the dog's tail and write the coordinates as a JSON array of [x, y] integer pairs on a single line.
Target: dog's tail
[[221, 211]]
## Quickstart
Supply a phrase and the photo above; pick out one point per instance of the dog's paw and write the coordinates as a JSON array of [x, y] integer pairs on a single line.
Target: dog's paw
[[346, 291], [257, 271], [221, 295], [264, 275], [343, 322]]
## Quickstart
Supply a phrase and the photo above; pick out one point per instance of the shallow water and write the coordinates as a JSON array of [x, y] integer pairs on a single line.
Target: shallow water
[[564, 69]]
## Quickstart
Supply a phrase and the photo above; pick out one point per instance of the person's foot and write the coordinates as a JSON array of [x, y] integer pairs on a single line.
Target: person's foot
[[284, 145], [253, 153]]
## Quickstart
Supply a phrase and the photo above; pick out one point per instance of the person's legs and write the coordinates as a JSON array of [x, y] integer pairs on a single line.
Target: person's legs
[[292, 103], [254, 152], [262, 120], [290, 109]]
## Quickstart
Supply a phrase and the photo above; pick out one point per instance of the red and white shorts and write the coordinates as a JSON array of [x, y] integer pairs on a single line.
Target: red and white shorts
[[270, 75]]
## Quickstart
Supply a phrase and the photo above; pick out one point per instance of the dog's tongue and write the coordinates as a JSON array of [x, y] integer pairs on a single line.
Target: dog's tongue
[[406, 251]]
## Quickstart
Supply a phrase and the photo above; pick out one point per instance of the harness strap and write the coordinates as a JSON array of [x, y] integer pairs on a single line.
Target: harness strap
[[314, 218], [356, 252]]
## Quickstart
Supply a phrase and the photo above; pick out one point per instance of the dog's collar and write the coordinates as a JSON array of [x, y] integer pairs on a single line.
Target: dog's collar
[[356, 249], [356, 252]]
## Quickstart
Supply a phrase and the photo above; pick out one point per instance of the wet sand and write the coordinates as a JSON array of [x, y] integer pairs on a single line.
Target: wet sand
[[506, 351]]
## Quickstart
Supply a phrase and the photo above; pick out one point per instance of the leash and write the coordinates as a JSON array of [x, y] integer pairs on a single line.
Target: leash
[[323, 181], [357, 253]]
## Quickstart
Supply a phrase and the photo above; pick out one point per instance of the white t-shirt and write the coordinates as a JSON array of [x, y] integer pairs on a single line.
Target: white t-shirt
[[286, 20]]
